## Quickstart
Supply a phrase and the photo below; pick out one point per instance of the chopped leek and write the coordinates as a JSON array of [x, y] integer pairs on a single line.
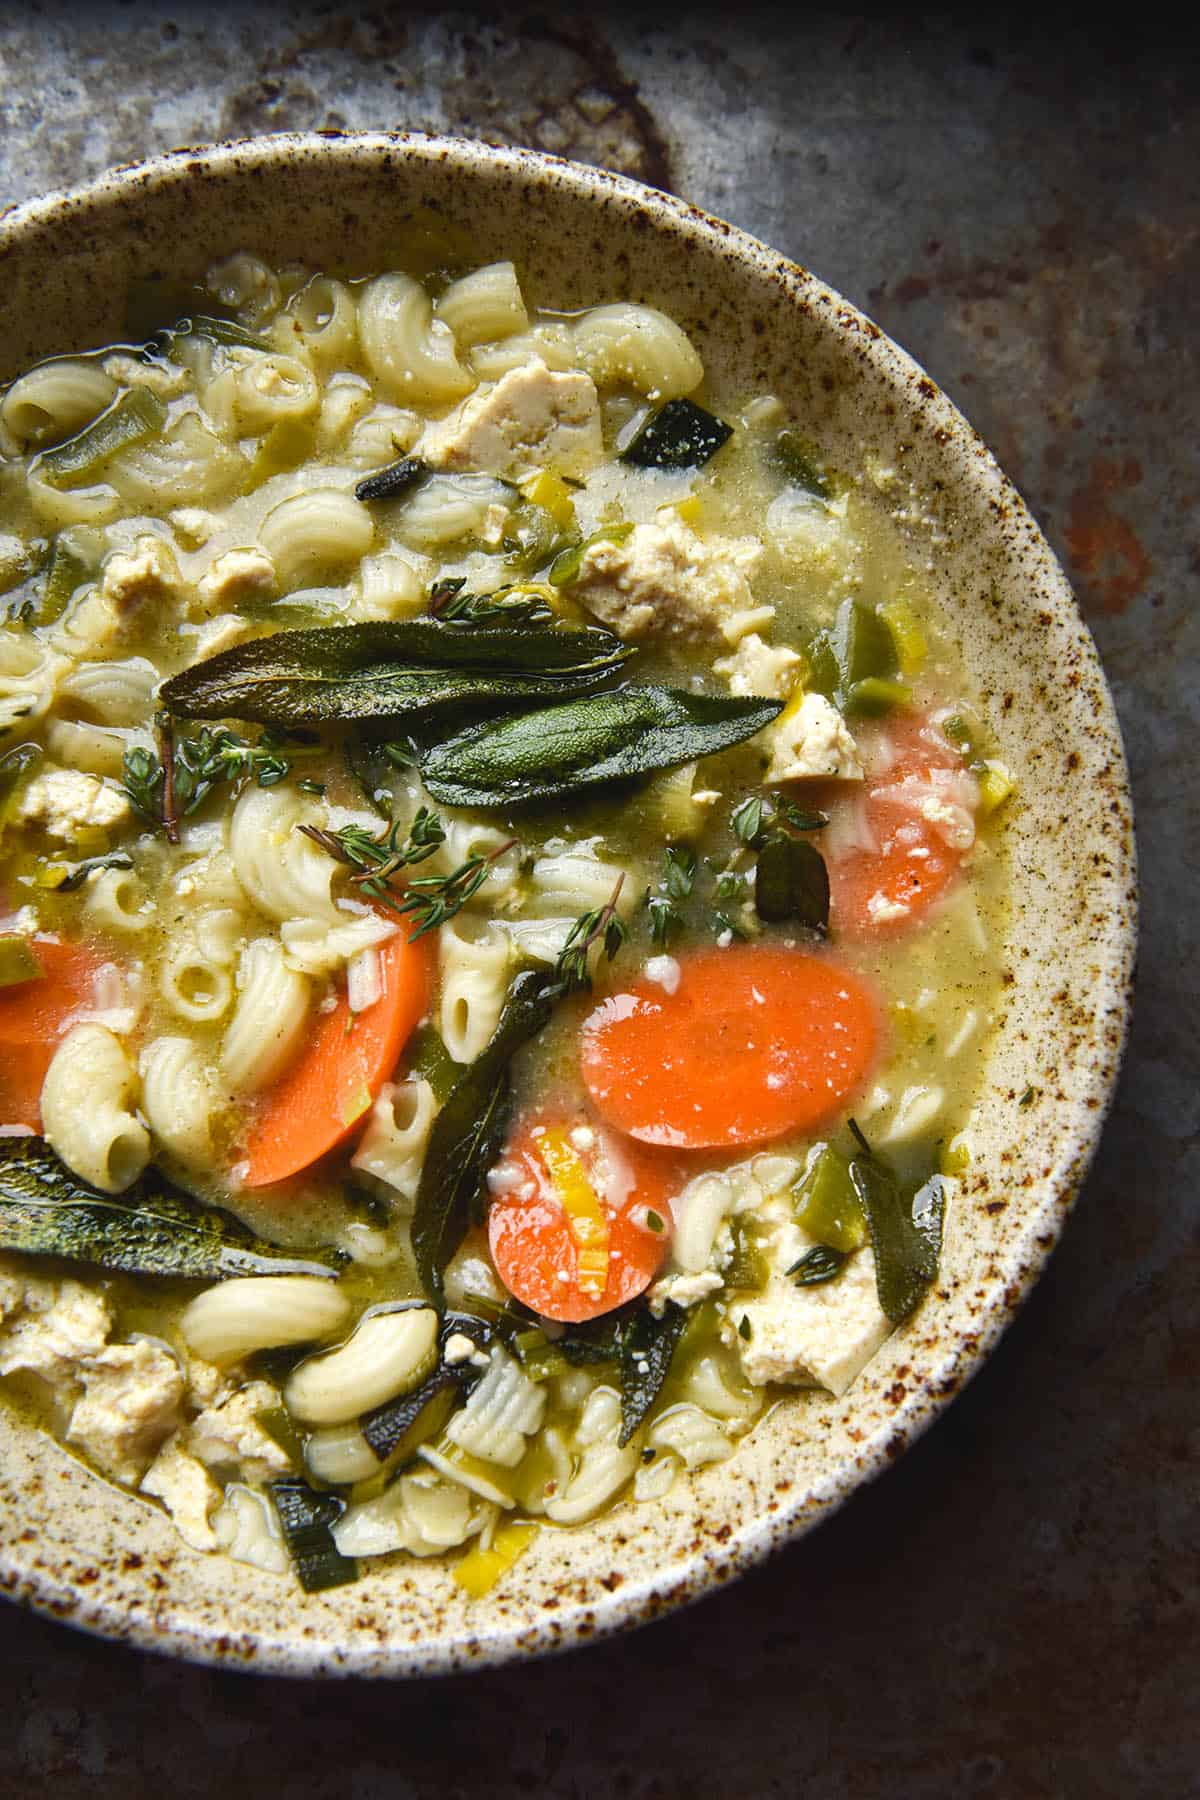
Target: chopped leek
[[137, 415], [18, 961], [826, 1204]]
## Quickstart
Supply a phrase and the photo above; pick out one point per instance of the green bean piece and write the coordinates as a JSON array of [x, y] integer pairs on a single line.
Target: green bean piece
[[826, 1204], [137, 415], [18, 961]]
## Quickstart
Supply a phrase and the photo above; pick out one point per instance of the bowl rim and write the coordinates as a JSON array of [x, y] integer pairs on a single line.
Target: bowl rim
[[675, 1584]]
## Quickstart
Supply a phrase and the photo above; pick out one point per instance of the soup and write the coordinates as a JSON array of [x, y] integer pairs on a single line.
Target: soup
[[502, 896]]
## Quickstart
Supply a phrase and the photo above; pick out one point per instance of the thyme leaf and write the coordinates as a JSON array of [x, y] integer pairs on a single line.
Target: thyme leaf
[[602, 926]]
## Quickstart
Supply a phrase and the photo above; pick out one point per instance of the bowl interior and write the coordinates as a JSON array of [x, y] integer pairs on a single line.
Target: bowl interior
[[88, 1552]]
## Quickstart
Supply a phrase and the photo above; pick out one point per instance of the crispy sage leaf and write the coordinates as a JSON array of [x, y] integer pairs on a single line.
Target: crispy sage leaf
[[306, 1519], [45, 1210], [392, 669], [680, 435], [647, 1346], [469, 1130], [395, 479], [818, 1265], [792, 882], [606, 738], [906, 1232]]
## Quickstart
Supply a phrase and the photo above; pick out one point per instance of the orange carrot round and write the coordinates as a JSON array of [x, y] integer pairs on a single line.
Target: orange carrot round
[[325, 1095], [755, 1041], [887, 890], [568, 1254], [33, 1016]]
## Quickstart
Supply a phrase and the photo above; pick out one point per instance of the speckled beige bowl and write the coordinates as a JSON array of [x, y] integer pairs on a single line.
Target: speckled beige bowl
[[75, 1547]]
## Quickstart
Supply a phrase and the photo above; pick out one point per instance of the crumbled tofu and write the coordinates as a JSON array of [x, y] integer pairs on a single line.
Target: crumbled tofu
[[459, 1348], [534, 417], [231, 1433], [131, 1399], [52, 1329], [147, 573], [166, 380], [759, 668], [664, 578], [188, 1492], [193, 525], [664, 970], [235, 577], [682, 1290], [811, 742], [882, 911], [65, 802], [820, 1336]]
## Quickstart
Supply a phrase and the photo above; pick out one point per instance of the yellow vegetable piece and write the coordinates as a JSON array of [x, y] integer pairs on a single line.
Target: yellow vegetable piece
[[479, 1570], [689, 510], [18, 962], [956, 1156], [995, 786], [586, 1216], [912, 646], [551, 493], [49, 874], [356, 1104]]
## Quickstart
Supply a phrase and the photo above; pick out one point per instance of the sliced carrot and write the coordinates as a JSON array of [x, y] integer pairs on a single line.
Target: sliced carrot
[[578, 1227], [33, 1016], [888, 889], [324, 1096], [755, 1041]]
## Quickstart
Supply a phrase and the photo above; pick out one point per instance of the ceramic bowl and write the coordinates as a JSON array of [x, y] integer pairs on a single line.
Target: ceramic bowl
[[77, 1548]]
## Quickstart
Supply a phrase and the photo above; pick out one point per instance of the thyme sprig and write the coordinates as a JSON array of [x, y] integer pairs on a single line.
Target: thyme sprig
[[173, 783], [755, 817], [679, 878], [427, 900], [603, 926], [376, 859]]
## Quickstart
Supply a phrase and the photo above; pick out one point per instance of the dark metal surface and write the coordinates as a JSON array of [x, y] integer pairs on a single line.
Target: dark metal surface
[[1013, 1610]]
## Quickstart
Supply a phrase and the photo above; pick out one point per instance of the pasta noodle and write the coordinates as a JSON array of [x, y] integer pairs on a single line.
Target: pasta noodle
[[638, 344], [261, 1312], [102, 1140], [484, 306], [392, 1148], [176, 1100], [473, 956], [268, 1021], [410, 353], [55, 400], [317, 530]]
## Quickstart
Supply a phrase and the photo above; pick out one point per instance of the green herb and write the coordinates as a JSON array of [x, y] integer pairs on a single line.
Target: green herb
[[137, 415], [757, 815], [312, 787], [196, 766], [142, 780], [512, 605], [818, 1265], [281, 1428], [470, 1128], [791, 882], [430, 1061], [395, 1429], [1027, 1098], [151, 1229], [906, 1229], [396, 478], [731, 885], [407, 668], [430, 900], [722, 923], [654, 1220], [307, 1519], [378, 859], [957, 730], [796, 458], [647, 1346], [744, 1327], [531, 538], [217, 331], [567, 564], [680, 435], [601, 926], [679, 878], [747, 1266], [76, 876], [607, 738]]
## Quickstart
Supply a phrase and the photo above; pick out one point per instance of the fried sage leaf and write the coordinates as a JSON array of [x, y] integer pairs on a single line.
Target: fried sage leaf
[[647, 1346], [906, 1231], [392, 669], [606, 738], [792, 882], [680, 435], [307, 1519], [470, 1128], [45, 1210]]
